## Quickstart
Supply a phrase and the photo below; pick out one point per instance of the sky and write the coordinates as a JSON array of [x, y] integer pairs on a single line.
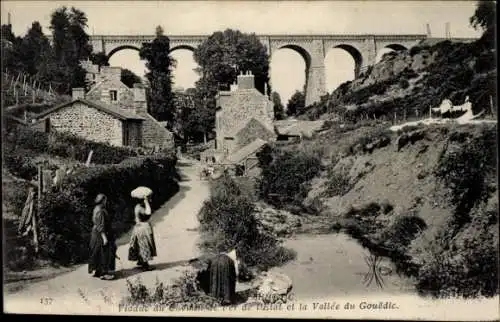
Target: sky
[[261, 17]]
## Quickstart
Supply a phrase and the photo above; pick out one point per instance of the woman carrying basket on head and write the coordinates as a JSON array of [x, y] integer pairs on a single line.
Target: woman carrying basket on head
[[142, 247]]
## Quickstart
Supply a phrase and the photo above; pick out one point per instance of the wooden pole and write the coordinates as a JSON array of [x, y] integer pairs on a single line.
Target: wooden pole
[[39, 207], [491, 106], [87, 164]]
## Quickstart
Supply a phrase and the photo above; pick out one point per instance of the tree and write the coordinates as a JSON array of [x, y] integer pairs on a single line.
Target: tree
[[11, 59], [225, 54], [221, 58], [279, 109], [129, 78], [70, 46], [160, 64], [296, 103], [100, 59], [33, 48], [485, 15], [485, 18]]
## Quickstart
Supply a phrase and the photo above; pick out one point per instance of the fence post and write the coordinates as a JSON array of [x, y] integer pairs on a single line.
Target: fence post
[[25, 87], [491, 106], [39, 207]]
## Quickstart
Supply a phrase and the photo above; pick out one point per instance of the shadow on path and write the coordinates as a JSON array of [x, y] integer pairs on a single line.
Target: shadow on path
[[129, 272]]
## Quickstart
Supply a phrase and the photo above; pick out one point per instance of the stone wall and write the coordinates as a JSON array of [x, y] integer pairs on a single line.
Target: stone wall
[[125, 96], [154, 134], [88, 123], [237, 109]]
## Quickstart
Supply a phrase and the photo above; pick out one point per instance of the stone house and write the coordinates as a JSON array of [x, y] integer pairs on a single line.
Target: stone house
[[109, 112], [243, 115], [95, 121], [110, 90]]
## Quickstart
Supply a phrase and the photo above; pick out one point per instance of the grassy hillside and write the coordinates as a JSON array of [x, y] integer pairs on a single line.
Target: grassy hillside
[[26, 93], [406, 84], [425, 195]]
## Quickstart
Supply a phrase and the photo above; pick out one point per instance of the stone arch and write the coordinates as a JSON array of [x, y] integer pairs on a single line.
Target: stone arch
[[355, 54], [388, 49], [396, 47], [187, 47], [301, 51], [306, 58], [117, 49]]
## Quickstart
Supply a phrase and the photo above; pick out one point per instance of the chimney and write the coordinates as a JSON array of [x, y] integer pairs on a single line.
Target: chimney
[[140, 102], [111, 73], [246, 81], [78, 93]]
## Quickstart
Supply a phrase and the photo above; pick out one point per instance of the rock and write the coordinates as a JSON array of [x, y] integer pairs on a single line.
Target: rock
[[274, 284]]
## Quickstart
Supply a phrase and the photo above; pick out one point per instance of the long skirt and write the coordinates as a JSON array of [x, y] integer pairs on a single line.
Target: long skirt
[[142, 245], [102, 257], [222, 278]]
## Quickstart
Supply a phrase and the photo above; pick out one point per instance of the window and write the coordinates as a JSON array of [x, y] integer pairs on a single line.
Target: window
[[113, 95]]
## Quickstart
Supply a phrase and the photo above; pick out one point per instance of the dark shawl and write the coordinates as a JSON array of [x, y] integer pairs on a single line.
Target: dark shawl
[[222, 278]]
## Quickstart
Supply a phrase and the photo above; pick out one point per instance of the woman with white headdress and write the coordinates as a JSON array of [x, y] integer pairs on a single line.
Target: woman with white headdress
[[142, 247]]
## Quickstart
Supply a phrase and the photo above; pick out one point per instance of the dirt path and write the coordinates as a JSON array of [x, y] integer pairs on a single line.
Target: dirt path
[[176, 237]]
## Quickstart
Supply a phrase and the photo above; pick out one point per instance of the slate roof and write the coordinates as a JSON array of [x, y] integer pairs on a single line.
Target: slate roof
[[233, 131], [111, 110], [249, 149]]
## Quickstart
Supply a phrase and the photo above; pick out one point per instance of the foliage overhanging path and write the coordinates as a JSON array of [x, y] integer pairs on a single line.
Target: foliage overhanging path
[[176, 239]]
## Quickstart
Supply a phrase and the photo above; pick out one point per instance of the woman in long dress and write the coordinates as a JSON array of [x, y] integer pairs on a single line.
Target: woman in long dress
[[220, 276], [102, 241], [142, 246]]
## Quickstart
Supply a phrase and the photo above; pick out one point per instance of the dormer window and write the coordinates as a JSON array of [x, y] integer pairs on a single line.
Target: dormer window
[[113, 94]]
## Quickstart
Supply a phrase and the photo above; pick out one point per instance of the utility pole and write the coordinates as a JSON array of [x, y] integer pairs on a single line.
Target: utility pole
[[447, 30]]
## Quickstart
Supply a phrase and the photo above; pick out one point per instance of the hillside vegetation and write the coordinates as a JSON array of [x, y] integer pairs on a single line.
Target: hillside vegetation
[[406, 84], [426, 195]]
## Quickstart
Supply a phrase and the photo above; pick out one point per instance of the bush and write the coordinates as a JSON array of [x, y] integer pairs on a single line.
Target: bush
[[66, 216], [68, 146], [185, 292], [466, 265], [286, 175], [400, 234], [338, 184], [227, 220], [467, 169], [20, 166]]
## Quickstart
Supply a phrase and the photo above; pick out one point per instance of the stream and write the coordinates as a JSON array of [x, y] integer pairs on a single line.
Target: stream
[[334, 264]]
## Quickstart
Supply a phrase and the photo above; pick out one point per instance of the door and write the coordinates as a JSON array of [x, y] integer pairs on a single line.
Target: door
[[125, 130]]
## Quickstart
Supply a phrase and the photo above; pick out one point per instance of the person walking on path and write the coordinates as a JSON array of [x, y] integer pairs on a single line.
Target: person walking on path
[[142, 247], [102, 242]]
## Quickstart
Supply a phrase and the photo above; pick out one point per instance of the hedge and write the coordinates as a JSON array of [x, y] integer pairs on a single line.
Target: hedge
[[66, 216], [68, 146]]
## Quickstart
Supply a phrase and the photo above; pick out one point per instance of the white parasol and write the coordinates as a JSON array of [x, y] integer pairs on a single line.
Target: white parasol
[[141, 192]]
